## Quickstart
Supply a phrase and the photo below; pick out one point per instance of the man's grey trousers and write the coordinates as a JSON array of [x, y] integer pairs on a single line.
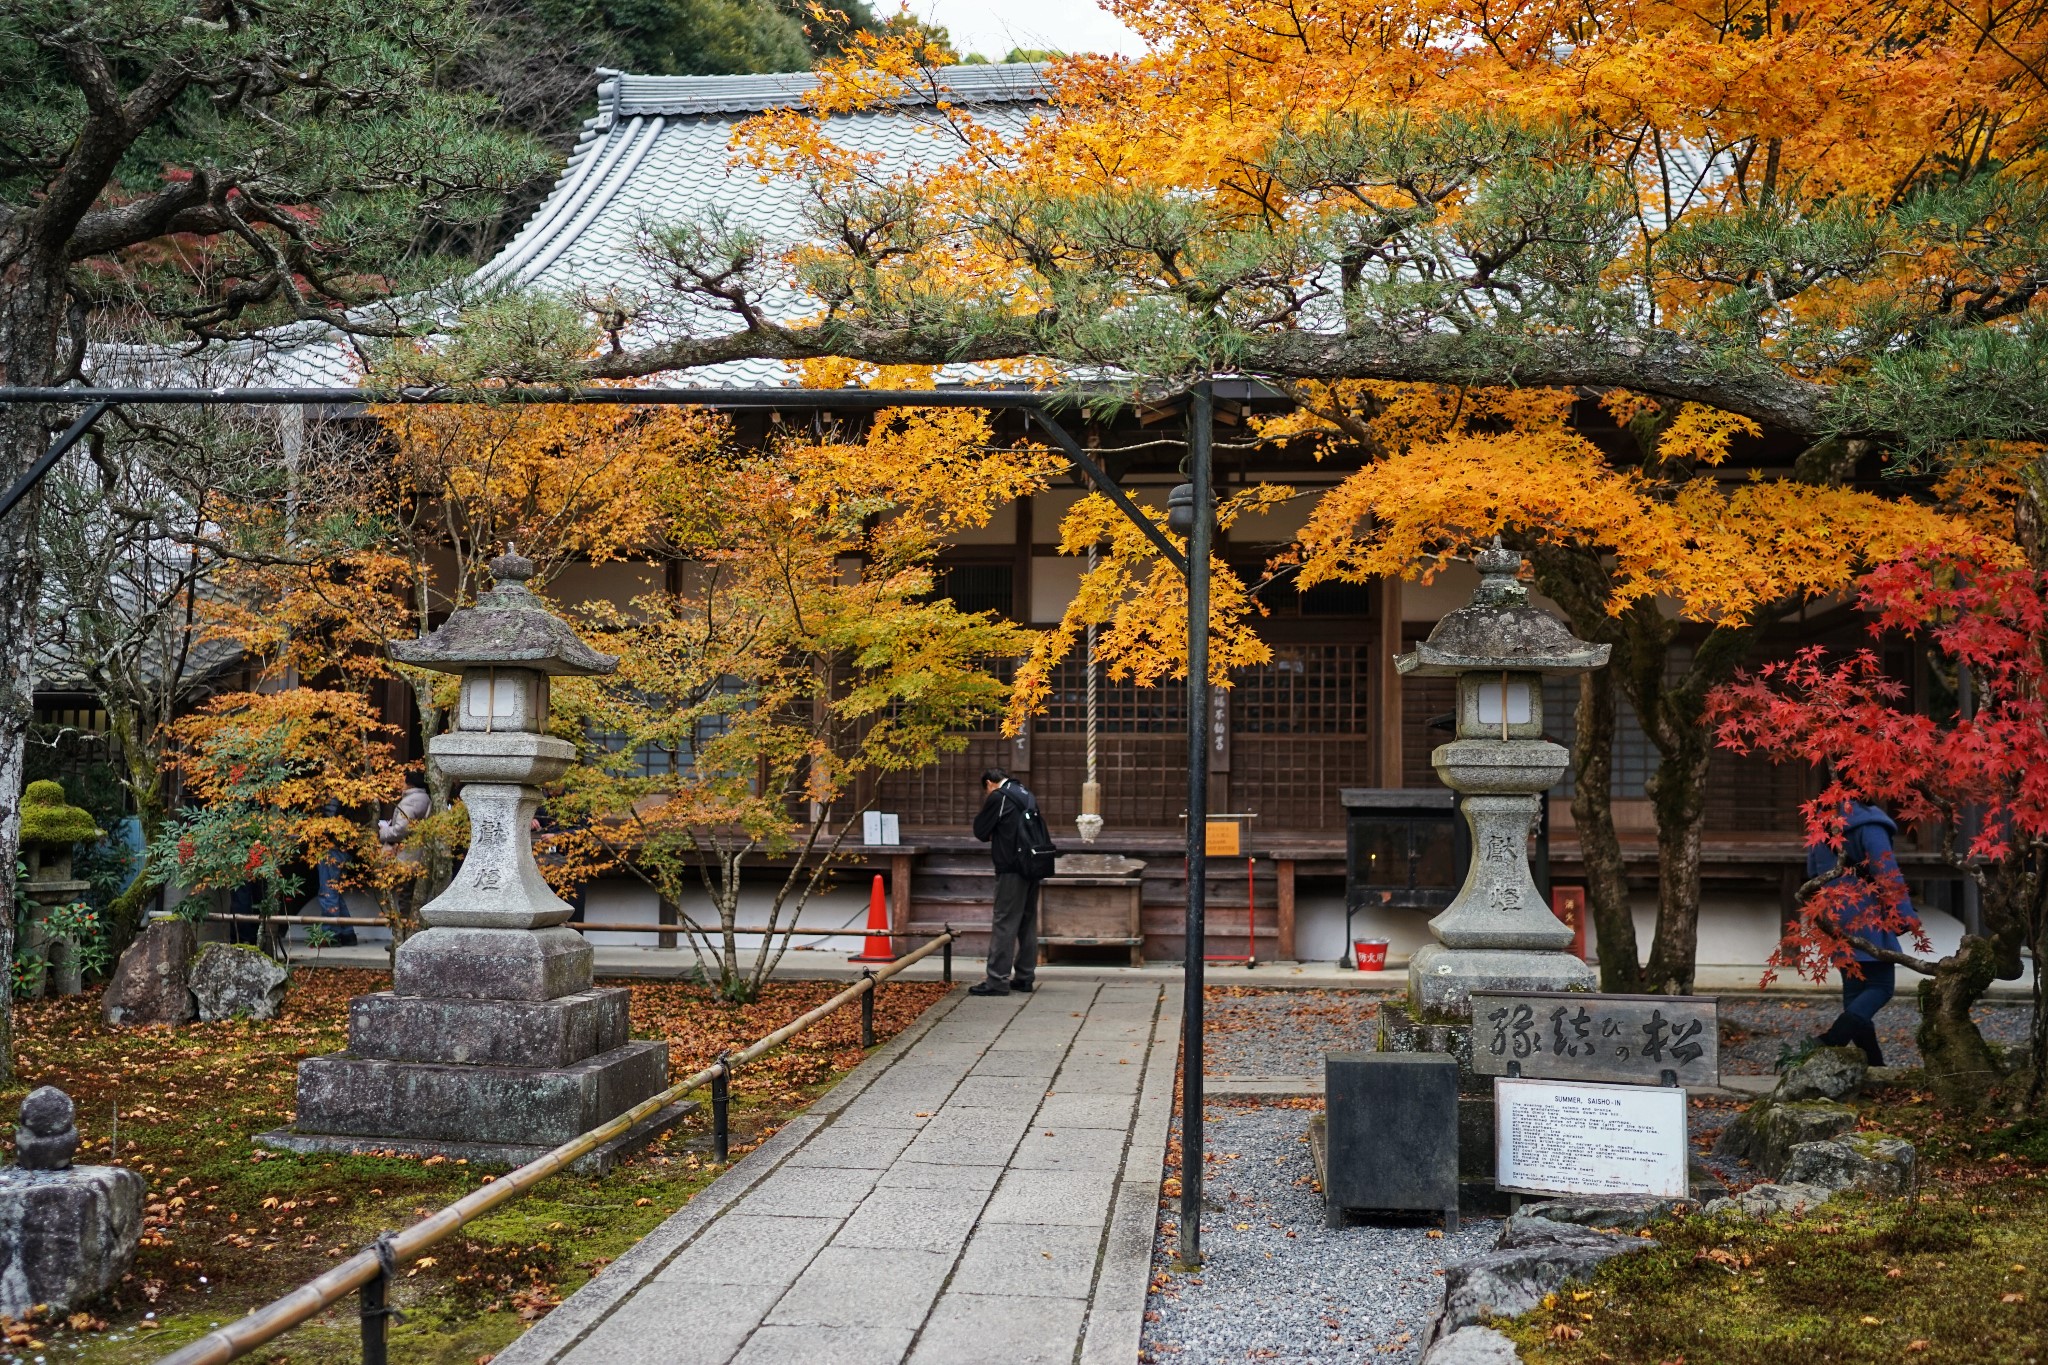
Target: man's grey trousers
[[1013, 937]]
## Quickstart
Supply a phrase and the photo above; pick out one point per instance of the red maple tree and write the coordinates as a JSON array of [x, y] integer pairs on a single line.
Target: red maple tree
[[1971, 778]]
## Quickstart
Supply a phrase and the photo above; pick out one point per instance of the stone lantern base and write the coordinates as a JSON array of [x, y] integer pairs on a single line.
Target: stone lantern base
[[1441, 980], [493, 1047]]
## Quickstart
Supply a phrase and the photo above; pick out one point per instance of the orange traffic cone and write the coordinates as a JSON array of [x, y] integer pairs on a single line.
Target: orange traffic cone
[[876, 949]]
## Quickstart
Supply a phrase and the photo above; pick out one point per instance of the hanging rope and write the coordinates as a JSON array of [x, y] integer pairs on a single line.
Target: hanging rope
[[1091, 681]]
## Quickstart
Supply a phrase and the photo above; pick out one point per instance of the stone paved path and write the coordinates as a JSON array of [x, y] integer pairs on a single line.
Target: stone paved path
[[983, 1188]]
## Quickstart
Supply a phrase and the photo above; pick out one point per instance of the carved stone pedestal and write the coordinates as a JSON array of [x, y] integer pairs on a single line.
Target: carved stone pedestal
[[437, 1066]]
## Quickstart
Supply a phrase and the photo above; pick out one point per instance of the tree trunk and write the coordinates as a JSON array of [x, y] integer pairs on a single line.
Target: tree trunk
[[1614, 925], [144, 783], [1678, 792], [1958, 1063], [32, 293]]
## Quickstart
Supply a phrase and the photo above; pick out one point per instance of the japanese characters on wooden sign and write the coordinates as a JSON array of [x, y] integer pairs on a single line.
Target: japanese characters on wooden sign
[[1577, 1036]]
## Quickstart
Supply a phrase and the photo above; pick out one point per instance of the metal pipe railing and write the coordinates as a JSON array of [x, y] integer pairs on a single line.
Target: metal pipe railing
[[370, 1270]]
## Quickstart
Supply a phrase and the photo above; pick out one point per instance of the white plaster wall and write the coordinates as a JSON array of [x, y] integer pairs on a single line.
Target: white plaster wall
[[1319, 928], [1733, 932], [832, 921], [626, 901], [1278, 524], [357, 904], [1739, 933], [1054, 581], [1001, 529]]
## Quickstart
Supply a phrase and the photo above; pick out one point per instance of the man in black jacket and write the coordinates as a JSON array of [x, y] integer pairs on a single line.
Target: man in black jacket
[[1013, 936]]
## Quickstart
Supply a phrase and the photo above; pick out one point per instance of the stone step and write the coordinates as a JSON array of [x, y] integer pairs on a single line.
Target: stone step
[[523, 1033], [371, 1098]]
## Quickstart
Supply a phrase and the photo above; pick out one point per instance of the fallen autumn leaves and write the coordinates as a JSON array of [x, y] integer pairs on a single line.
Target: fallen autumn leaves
[[228, 1227]]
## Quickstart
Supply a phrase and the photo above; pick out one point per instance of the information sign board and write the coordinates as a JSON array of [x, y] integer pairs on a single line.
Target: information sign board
[[1580, 1036], [1557, 1137]]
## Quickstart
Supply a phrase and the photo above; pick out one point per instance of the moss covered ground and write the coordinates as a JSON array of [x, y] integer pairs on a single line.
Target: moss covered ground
[[1957, 1273], [230, 1226]]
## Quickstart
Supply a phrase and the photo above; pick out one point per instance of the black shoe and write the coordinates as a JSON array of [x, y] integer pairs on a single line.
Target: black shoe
[[1024, 987], [987, 988], [345, 938], [1866, 1039]]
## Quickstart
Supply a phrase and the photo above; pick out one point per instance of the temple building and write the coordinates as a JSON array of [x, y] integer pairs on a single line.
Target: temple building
[[1329, 714]]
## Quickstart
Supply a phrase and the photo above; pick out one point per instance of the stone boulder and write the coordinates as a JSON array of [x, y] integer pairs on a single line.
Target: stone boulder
[[148, 984], [1768, 1201], [1860, 1161], [233, 981], [67, 1233], [1617, 1212], [1473, 1346], [1534, 1258], [1765, 1134], [1831, 1073]]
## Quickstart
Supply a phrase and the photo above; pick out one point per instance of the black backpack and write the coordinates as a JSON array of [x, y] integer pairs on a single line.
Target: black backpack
[[1036, 851]]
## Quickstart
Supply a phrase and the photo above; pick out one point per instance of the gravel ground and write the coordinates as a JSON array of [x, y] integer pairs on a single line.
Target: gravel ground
[[1281, 1033], [1278, 1285], [1753, 1030]]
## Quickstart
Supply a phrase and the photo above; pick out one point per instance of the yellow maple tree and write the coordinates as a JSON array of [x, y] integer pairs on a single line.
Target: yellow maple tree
[[1633, 555]]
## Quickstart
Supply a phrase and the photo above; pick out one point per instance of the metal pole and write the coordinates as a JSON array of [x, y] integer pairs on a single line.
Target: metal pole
[[867, 1011], [1200, 414], [374, 1352], [375, 1304], [721, 1104], [33, 475]]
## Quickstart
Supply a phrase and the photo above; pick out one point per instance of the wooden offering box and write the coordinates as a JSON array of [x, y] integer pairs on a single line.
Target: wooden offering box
[[1092, 901]]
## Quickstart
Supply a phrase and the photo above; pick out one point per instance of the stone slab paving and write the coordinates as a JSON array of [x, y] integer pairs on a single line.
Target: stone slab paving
[[983, 1188]]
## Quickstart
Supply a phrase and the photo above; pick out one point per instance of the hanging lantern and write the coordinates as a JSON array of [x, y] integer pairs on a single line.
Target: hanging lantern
[[1180, 510]]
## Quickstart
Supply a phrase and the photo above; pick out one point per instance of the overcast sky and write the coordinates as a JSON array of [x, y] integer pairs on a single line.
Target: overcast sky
[[993, 27]]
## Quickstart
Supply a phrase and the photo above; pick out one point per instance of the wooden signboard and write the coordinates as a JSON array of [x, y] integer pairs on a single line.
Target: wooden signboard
[[1581, 1036]]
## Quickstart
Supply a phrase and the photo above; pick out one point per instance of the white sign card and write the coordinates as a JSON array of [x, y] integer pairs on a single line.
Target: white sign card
[[878, 827], [1561, 1137]]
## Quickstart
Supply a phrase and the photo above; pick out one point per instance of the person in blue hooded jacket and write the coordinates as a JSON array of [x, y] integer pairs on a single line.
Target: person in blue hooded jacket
[[1867, 859]]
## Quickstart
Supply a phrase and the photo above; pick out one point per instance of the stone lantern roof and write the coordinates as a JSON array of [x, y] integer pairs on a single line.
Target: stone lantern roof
[[1499, 632], [508, 627]]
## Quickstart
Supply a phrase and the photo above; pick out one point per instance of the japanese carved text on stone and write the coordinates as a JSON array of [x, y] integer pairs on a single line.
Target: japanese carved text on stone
[[1578, 1036]]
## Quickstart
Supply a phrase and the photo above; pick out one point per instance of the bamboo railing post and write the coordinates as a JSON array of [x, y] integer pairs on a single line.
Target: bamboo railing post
[[867, 1010], [721, 1105]]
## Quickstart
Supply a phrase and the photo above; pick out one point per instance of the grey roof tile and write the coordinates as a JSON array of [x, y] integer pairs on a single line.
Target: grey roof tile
[[660, 150]]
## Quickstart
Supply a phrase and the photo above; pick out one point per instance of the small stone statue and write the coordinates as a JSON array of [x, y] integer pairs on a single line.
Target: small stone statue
[[48, 1133], [67, 1233]]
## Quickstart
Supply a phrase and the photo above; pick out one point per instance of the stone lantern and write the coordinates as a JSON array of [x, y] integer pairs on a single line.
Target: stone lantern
[[1497, 934], [491, 1044]]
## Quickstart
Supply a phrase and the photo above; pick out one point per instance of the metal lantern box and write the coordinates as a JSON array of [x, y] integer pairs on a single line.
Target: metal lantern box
[[1405, 849]]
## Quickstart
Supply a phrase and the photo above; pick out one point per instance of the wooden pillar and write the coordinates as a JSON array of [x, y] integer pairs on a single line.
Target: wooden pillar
[[666, 913], [899, 902], [1283, 899], [1388, 679]]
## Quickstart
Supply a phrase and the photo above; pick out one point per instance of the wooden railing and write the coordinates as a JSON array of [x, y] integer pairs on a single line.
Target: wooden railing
[[370, 1270]]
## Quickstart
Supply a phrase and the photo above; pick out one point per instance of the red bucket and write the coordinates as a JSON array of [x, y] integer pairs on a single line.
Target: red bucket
[[1372, 954]]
